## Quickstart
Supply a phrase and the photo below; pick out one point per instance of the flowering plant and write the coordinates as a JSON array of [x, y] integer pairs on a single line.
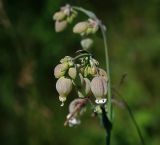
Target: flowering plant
[[82, 72]]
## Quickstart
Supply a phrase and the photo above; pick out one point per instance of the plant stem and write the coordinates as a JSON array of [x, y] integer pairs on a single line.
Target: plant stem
[[81, 55], [102, 28], [109, 104]]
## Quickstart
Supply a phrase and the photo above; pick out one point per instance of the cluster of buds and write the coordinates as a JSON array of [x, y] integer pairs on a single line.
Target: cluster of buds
[[86, 27], [64, 83], [81, 72], [88, 79], [64, 17]]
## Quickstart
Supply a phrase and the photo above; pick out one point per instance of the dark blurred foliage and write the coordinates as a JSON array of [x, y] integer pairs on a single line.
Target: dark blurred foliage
[[30, 113]]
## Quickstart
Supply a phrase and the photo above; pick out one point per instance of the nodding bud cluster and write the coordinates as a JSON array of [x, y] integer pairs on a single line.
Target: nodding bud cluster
[[86, 76], [86, 27], [64, 17], [64, 72], [81, 72]]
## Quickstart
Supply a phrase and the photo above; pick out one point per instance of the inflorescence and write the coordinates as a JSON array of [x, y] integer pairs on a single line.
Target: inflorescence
[[81, 72]]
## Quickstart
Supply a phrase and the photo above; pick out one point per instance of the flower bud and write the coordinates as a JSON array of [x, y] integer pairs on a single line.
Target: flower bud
[[71, 17], [93, 25], [86, 43], [89, 31], [68, 60], [93, 71], [94, 29], [67, 9], [59, 16], [87, 71], [85, 89], [98, 109], [103, 73], [81, 27], [78, 81], [60, 70], [60, 25], [72, 72], [64, 87], [90, 71], [99, 89]]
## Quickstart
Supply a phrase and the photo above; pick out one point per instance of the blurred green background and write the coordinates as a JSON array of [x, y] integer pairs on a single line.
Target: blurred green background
[[30, 113]]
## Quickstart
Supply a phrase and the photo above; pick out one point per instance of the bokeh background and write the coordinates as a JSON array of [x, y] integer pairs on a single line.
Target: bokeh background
[[30, 113]]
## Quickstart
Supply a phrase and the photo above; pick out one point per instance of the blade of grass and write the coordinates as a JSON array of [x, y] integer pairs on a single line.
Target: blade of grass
[[130, 112]]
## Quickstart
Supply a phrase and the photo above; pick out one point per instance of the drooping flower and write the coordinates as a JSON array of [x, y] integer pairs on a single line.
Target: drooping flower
[[99, 89], [76, 108], [64, 87]]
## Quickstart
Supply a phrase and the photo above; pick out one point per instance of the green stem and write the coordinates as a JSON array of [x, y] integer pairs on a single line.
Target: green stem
[[109, 105], [81, 55], [88, 13]]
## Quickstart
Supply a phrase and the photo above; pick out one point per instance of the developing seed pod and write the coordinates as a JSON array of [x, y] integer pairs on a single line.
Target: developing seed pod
[[85, 89], [64, 87], [59, 16], [99, 89], [60, 70], [86, 43], [72, 72], [60, 25], [81, 27]]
